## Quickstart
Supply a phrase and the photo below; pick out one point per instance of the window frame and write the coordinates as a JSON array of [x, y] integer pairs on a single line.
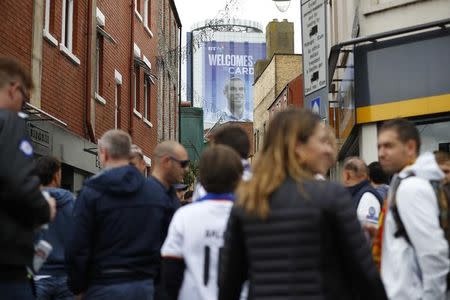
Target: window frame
[[147, 98], [49, 20], [147, 13], [67, 24], [99, 53]]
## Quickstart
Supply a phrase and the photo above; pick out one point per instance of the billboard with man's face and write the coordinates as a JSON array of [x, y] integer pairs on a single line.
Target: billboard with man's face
[[228, 78]]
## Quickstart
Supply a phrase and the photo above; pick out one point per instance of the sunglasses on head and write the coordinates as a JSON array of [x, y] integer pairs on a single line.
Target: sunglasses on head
[[183, 163]]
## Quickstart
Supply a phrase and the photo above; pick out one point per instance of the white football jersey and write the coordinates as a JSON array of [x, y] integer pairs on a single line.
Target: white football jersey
[[196, 235]]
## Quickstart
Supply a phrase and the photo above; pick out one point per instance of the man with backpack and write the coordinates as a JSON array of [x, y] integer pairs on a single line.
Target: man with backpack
[[415, 255]]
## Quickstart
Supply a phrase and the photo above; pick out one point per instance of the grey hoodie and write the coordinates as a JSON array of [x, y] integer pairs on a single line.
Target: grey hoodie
[[418, 271]]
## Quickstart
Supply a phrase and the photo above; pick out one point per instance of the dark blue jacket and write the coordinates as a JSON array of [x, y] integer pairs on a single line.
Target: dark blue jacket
[[120, 225], [58, 232], [358, 190]]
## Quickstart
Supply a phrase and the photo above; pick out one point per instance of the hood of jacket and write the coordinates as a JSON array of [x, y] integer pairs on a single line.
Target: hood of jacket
[[62, 197], [425, 167], [118, 181]]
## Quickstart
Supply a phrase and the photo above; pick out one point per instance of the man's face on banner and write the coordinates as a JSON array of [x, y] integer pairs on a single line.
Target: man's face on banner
[[234, 91]]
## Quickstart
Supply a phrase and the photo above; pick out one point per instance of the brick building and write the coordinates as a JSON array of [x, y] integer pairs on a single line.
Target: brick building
[[169, 76], [95, 65], [281, 69], [291, 95]]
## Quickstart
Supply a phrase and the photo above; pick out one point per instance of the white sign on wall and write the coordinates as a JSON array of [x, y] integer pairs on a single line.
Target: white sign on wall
[[314, 45]]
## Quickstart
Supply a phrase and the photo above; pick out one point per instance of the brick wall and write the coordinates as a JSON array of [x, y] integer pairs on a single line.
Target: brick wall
[[64, 83], [117, 57], [280, 71], [168, 88], [16, 30]]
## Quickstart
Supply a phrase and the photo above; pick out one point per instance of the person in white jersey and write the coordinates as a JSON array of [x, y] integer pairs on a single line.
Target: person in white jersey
[[190, 254]]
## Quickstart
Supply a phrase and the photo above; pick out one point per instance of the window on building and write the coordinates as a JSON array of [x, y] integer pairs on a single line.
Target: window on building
[[147, 97], [99, 64], [117, 96], [136, 88], [49, 16], [147, 13], [67, 24]]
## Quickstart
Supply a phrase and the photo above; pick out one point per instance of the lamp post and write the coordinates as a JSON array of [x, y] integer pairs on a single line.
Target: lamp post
[[282, 5]]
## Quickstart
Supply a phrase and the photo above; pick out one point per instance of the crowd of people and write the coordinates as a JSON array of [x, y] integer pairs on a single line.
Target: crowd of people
[[273, 229]]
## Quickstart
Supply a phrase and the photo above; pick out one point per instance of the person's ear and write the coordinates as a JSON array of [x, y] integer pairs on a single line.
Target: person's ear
[[346, 175], [411, 147], [57, 178]]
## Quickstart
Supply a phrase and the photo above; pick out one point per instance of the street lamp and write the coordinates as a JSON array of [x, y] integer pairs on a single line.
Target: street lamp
[[282, 5]]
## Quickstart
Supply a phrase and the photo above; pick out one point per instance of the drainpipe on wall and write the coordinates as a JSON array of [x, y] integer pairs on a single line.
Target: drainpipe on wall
[[89, 119], [36, 52], [132, 9]]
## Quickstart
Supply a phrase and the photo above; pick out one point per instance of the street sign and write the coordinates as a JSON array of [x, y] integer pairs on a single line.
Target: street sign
[[314, 45]]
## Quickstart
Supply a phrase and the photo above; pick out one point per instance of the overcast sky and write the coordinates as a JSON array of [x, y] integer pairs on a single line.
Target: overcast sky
[[262, 11]]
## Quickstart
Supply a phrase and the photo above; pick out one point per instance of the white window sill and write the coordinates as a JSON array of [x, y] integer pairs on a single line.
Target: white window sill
[[138, 114], [148, 31], [69, 54], [148, 122], [100, 99], [50, 38], [138, 15]]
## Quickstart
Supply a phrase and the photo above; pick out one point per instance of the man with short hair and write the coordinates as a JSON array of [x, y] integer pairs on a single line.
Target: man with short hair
[[415, 254], [234, 92], [120, 225], [366, 199], [171, 164], [235, 137], [23, 207], [137, 158], [51, 281]]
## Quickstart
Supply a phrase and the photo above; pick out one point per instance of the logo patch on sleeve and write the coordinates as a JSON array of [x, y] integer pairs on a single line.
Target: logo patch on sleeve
[[26, 148]]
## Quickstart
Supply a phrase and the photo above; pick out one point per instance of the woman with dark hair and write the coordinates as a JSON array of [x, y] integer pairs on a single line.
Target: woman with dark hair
[[291, 236]]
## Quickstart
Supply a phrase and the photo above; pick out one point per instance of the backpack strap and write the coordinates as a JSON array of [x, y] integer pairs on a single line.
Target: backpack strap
[[401, 230]]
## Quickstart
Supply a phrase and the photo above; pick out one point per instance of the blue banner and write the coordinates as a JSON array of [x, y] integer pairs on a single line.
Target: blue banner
[[228, 79]]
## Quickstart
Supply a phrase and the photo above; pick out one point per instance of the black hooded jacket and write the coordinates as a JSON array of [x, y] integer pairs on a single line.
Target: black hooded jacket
[[119, 227]]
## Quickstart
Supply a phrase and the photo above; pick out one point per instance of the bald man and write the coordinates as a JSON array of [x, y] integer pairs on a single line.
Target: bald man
[[367, 201], [170, 164]]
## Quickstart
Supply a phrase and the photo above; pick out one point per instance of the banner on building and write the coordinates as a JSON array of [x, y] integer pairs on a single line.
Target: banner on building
[[228, 79]]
